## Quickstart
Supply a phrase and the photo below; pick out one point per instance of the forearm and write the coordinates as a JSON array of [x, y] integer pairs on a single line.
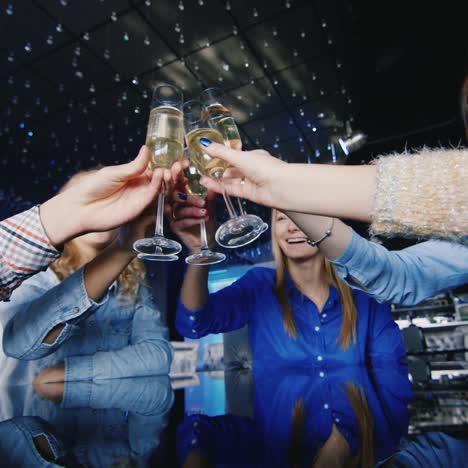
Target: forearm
[[338, 191], [422, 195], [103, 270], [61, 219], [98, 275], [316, 226], [151, 357], [46, 316], [194, 293], [25, 249]]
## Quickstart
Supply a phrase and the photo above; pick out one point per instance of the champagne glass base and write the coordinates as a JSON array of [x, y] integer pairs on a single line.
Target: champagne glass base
[[157, 246], [240, 231], [205, 257], [158, 258]]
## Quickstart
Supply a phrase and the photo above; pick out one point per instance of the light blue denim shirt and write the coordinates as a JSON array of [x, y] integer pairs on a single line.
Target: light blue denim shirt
[[105, 340], [102, 423], [406, 276]]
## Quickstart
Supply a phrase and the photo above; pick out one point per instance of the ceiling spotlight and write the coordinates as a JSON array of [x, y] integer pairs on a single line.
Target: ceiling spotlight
[[353, 142]]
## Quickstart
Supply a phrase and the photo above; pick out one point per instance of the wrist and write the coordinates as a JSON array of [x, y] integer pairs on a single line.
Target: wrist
[[60, 219], [122, 249]]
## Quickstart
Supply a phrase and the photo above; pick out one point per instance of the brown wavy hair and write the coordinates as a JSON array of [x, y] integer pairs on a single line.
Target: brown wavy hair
[[129, 279], [348, 325]]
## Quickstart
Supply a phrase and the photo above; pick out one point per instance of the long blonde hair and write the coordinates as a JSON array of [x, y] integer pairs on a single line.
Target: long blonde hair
[[348, 325], [129, 279]]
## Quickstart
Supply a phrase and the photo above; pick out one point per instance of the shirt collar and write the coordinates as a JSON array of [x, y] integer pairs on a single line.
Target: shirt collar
[[293, 292]]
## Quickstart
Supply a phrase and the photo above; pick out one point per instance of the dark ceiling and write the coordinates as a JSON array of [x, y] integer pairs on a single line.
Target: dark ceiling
[[76, 77]]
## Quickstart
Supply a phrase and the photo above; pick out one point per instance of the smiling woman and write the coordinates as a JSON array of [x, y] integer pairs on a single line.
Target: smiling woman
[[298, 312], [291, 248]]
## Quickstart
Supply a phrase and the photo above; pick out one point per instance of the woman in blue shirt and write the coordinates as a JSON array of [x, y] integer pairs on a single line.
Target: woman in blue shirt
[[300, 312], [349, 418], [90, 316]]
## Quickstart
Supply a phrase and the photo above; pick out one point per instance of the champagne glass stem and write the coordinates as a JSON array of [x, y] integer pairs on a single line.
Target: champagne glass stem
[[159, 229], [241, 208], [203, 237], [229, 205]]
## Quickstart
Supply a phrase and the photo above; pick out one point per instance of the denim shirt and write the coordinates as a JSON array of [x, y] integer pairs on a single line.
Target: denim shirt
[[105, 340], [404, 277], [251, 300], [121, 420]]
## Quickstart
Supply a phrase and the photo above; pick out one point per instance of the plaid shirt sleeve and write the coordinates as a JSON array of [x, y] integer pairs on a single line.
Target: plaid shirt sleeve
[[24, 250]]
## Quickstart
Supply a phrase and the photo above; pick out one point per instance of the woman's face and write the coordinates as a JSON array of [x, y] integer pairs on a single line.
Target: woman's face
[[292, 241]]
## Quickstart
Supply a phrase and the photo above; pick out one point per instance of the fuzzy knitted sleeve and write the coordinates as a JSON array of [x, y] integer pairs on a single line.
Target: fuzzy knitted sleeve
[[422, 195]]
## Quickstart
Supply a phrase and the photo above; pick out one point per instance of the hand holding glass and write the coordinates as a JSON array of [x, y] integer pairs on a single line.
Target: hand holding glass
[[244, 228], [165, 139], [201, 164]]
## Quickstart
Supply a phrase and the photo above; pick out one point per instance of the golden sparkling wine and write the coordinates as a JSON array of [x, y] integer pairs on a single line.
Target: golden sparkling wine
[[193, 182], [221, 119], [205, 164], [165, 136]]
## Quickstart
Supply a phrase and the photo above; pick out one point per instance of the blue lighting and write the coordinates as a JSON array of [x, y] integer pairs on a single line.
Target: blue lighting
[[21, 125], [30, 133], [52, 162], [55, 188], [275, 145], [333, 153]]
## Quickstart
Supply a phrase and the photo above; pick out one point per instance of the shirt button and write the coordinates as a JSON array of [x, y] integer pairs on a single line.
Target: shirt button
[[193, 330], [194, 441], [324, 315], [76, 309], [337, 420], [192, 317], [326, 406], [322, 374], [317, 328], [195, 424], [319, 358]]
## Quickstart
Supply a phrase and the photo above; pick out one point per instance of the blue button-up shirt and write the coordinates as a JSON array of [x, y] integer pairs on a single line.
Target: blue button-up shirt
[[110, 339], [251, 300], [406, 276], [265, 440]]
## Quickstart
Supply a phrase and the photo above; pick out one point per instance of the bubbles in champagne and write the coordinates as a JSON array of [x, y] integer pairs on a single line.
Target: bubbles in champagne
[[205, 164], [193, 182], [165, 136], [220, 118]]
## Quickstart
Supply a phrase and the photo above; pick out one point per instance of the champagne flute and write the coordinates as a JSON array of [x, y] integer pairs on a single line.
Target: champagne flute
[[204, 256], [165, 139], [244, 228]]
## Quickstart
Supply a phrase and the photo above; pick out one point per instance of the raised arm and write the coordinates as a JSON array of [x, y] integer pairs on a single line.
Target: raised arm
[[43, 324], [401, 193], [404, 277], [101, 201], [200, 313]]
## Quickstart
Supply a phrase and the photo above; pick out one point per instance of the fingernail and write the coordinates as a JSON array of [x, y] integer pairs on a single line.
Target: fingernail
[[202, 212], [205, 142], [182, 196]]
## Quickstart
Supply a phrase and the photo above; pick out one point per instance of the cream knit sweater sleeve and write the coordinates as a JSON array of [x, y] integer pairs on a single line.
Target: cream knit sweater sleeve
[[422, 195]]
